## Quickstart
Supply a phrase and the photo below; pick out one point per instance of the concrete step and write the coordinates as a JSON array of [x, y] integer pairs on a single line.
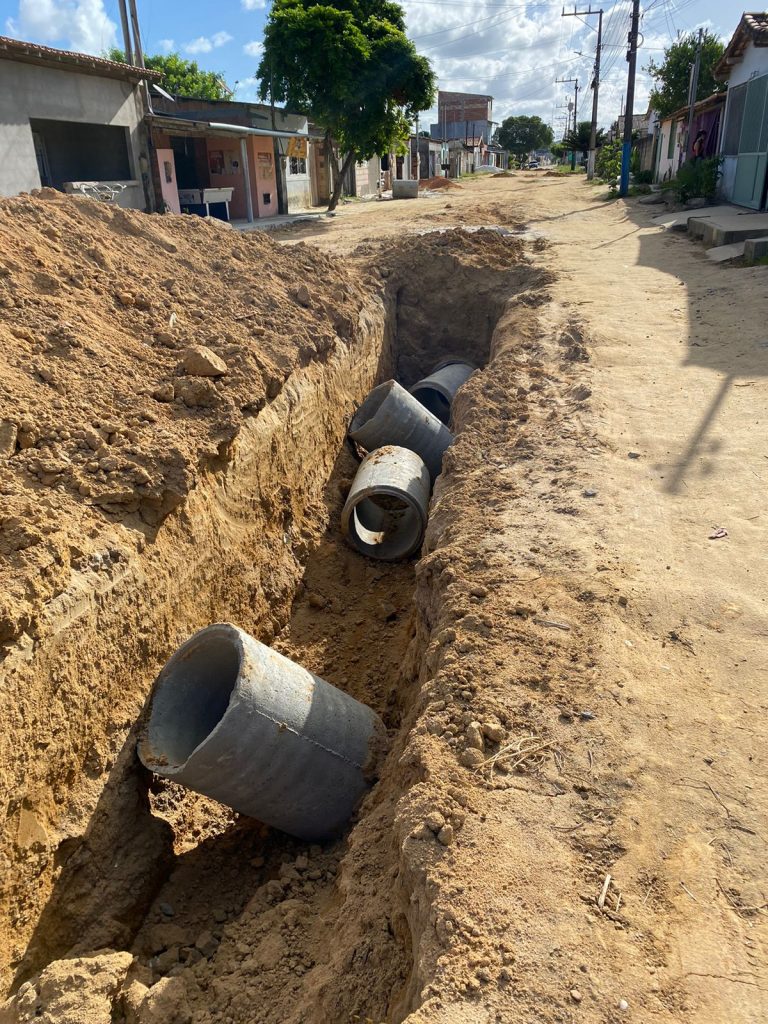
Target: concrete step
[[722, 253], [725, 230]]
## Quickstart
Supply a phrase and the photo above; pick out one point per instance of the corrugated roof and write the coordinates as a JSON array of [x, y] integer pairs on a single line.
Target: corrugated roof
[[47, 56], [753, 28], [700, 106]]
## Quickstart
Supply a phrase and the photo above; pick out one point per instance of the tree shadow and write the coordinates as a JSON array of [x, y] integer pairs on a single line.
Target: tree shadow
[[733, 358]]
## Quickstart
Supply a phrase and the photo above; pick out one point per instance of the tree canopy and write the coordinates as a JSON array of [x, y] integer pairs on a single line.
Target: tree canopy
[[350, 66], [578, 139], [672, 75], [182, 77], [522, 134]]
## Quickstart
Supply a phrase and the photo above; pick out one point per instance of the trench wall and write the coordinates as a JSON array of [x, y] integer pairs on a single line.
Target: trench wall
[[80, 841]]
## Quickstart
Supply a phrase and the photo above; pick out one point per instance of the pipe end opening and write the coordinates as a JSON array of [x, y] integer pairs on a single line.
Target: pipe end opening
[[191, 696]]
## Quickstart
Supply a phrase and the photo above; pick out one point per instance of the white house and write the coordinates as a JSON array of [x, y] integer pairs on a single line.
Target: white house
[[744, 146]]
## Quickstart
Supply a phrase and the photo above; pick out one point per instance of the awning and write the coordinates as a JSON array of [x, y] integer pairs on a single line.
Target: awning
[[187, 126]]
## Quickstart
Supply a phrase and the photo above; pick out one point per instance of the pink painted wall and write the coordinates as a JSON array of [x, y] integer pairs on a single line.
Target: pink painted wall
[[235, 179], [169, 189], [261, 159]]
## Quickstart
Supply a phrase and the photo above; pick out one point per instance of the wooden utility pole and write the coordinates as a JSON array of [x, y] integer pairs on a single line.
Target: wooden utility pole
[[126, 33], [595, 86], [626, 150], [693, 88]]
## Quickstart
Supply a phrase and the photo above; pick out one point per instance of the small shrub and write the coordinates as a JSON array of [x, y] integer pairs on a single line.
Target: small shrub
[[643, 177], [697, 178], [608, 163]]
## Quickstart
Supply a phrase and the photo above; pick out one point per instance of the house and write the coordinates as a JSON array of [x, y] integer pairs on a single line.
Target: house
[[68, 118], [224, 158], [430, 157], [672, 135], [463, 115], [744, 145]]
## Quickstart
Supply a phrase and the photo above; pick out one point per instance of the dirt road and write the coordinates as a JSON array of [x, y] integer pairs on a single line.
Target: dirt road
[[674, 448], [571, 822]]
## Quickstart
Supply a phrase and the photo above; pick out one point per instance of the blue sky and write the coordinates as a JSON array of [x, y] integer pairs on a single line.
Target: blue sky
[[505, 48]]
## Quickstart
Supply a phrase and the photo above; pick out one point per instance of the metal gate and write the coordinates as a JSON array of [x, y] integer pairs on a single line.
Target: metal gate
[[752, 158]]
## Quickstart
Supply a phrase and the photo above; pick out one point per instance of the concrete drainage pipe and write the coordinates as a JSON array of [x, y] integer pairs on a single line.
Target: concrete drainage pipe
[[392, 416], [385, 514], [437, 391], [238, 722]]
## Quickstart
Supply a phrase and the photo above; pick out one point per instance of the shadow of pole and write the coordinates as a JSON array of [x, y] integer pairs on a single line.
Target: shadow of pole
[[672, 485]]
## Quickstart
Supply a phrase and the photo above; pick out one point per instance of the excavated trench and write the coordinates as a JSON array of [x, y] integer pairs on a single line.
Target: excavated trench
[[272, 928]]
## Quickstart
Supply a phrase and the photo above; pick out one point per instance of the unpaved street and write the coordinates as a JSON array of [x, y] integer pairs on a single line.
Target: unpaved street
[[673, 442], [570, 823]]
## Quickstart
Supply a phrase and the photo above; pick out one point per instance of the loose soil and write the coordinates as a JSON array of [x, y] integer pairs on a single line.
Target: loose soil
[[570, 823]]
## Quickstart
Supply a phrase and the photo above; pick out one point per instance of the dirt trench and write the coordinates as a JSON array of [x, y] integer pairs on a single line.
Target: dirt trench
[[243, 923]]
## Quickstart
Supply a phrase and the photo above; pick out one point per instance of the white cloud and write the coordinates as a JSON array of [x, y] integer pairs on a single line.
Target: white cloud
[[166, 45], [253, 5], [254, 49], [514, 54], [81, 25], [204, 44]]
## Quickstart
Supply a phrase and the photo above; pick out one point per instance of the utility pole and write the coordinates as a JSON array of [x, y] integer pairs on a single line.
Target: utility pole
[[693, 88], [126, 33], [626, 150], [595, 86], [138, 54], [575, 111]]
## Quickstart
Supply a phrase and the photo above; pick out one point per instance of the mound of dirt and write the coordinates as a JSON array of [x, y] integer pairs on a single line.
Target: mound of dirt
[[439, 182], [132, 350], [503, 174]]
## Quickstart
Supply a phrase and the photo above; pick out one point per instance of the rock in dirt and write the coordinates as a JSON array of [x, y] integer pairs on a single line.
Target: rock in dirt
[[200, 361], [197, 393], [471, 758], [493, 732], [78, 991], [434, 821], [475, 736], [165, 1003], [303, 295], [165, 393], [207, 944], [8, 434], [445, 835]]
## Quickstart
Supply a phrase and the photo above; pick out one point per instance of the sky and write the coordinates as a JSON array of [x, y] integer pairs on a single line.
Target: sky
[[507, 49]]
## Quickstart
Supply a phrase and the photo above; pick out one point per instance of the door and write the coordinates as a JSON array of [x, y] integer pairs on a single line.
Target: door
[[749, 182], [42, 159]]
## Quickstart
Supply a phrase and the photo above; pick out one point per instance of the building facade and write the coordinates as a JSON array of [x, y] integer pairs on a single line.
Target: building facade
[[463, 115], [69, 118], [744, 138]]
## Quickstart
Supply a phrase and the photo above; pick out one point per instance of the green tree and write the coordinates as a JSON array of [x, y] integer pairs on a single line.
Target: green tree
[[350, 66], [522, 134], [578, 139], [182, 77], [672, 74]]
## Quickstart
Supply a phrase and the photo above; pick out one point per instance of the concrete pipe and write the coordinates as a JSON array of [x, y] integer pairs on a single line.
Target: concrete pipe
[[238, 722], [437, 391], [390, 415], [385, 514]]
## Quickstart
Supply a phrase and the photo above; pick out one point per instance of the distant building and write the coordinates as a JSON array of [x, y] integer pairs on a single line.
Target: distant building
[[463, 115]]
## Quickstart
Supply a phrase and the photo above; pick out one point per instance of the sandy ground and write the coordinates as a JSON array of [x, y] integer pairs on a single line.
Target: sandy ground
[[679, 378], [570, 825]]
